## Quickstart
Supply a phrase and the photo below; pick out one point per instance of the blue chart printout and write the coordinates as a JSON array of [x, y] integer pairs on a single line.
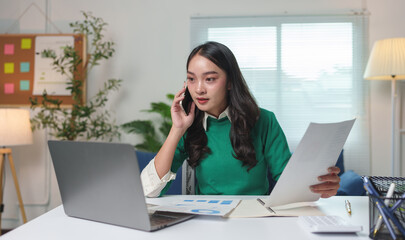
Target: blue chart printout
[[204, 206]]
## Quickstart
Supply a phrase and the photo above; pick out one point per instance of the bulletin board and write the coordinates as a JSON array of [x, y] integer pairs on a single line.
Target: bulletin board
[[25, 73]]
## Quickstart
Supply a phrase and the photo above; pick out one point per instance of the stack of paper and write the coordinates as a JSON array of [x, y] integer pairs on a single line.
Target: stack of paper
[[318, 149]]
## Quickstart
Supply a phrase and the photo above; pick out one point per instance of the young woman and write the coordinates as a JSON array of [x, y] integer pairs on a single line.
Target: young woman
[[231, 142]]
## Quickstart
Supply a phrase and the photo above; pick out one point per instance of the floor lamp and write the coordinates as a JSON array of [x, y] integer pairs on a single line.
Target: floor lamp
[[15, 129], [387, 62]]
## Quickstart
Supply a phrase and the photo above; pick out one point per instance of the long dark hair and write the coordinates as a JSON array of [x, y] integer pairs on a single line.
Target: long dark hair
[[243, 109]]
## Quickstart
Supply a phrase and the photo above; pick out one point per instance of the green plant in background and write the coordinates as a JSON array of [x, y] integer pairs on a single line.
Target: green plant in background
[[84, 119], [152, 140]]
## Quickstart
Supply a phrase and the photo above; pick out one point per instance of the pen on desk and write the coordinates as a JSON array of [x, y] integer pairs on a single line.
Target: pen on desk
[[263, 203], [386, 202], [348, 207]]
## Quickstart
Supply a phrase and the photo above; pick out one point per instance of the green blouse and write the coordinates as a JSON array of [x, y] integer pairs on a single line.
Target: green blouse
[[221, 173]]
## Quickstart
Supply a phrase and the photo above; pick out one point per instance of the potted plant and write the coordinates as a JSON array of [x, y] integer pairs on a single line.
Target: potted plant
[[88, 120], [152, 140]]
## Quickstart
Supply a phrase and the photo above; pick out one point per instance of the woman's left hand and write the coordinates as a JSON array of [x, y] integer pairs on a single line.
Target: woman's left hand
[[329, 185]]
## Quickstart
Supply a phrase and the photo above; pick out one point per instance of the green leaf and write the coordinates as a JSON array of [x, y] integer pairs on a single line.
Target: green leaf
[[140, 126], [161, 108], [82, 120], [165, 128], [170, 96], [152, 143], [149, 145]]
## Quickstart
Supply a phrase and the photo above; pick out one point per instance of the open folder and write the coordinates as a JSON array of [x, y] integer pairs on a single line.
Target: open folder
[[318, 149]]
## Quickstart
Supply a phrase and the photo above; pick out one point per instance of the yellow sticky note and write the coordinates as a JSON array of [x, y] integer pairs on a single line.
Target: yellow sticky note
[[8, 67], [26, 43]]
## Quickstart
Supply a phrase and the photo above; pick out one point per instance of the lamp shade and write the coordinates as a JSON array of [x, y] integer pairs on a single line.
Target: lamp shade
[[387, 59], [15, 127]]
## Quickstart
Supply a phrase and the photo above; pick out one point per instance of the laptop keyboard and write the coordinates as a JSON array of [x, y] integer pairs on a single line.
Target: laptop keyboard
[[159, 219]]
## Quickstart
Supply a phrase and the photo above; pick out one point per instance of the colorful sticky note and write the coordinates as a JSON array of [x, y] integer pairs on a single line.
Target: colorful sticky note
[[8, 49], [9, 88], [8, 67], [26, 43], [24, 67], [24, 85]]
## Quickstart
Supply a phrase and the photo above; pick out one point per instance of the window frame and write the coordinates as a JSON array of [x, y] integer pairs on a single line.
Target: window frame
[[199, 30]]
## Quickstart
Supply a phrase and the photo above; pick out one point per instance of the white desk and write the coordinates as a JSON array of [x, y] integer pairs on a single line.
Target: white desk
[[56, 225]]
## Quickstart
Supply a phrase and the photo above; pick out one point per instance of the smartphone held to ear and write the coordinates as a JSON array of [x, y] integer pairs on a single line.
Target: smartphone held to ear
[[186, 102]]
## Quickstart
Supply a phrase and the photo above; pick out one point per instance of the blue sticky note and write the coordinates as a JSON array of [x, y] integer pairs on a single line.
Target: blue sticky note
[[24, 85], [24, 67], [201, 200], [214, 201], [188, 200]]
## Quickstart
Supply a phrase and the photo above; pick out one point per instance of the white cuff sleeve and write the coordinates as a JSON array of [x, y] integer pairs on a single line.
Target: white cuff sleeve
[[152, 184]]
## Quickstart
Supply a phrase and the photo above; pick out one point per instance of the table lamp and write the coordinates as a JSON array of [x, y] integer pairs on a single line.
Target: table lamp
[[387, 62], [15, 129]]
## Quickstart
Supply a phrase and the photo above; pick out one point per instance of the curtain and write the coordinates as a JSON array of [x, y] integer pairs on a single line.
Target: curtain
[[304, 69]]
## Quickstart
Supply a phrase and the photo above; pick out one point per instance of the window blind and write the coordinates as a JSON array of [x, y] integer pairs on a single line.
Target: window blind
[[303, 68]]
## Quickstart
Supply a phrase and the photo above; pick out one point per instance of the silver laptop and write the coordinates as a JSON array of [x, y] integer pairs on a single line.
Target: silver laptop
[[101, 182]]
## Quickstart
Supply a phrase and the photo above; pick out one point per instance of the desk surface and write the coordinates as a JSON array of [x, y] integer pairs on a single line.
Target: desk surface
[[56, 225]]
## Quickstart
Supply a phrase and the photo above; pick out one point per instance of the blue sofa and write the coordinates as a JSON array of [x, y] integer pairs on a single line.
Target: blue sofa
[[143, 160]]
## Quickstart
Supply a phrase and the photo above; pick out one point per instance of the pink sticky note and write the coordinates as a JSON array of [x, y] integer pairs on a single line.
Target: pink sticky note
[[9, 88], [8, 49]]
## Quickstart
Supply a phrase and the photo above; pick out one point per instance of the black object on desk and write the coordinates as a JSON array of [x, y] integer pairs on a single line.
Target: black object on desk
[[393, 214]]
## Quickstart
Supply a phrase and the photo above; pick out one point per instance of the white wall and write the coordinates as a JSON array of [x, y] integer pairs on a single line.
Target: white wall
[[152, 44], [385, 22]]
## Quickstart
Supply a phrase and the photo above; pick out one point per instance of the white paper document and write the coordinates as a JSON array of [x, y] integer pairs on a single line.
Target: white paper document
[[45, 76], [199, 206], [253, 208], [318, 150]]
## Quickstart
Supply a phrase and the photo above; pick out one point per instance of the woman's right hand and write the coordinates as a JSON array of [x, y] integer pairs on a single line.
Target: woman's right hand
[[181, 122], [179, 117]]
